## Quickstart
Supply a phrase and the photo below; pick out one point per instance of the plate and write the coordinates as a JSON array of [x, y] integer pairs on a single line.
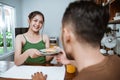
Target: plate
[[44, 52]]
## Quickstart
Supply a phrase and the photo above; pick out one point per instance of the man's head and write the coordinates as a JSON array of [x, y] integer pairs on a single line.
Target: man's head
[[84, 22]]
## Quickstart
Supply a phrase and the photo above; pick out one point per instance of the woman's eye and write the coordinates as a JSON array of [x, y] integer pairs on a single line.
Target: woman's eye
[[41, 22], [35, 20]]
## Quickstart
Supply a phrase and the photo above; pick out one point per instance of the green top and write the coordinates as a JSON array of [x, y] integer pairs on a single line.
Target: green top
[[38, 46]]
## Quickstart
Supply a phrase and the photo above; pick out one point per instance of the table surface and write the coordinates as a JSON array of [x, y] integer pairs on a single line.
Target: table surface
[[6, 65]]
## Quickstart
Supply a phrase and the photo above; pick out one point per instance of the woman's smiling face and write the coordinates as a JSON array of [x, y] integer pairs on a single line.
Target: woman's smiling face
[[36, 23]]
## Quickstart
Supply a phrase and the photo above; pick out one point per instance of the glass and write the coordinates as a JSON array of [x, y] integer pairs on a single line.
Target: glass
[[53, 42], [70, 68]]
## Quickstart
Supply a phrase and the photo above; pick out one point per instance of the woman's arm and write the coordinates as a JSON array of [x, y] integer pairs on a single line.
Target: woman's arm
[[46, 40], [18, 57]]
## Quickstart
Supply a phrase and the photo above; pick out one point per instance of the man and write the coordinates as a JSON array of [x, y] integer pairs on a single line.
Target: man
[[83, 26]]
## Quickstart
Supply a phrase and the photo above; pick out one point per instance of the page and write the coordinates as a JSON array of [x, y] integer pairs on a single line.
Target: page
[[25, 72]]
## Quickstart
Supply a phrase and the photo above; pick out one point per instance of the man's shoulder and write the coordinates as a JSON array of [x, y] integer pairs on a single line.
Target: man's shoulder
[[114, 58], [110, 69]]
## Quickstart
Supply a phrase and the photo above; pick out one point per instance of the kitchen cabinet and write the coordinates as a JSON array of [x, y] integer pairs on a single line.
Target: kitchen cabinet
[[114, 7]]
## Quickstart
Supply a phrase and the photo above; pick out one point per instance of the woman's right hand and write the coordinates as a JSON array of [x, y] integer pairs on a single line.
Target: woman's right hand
[[33, 53]]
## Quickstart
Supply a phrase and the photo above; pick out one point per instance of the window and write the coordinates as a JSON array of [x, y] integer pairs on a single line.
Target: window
[[6, 28]]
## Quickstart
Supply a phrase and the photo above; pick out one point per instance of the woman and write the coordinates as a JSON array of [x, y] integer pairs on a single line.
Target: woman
[[27, 45]]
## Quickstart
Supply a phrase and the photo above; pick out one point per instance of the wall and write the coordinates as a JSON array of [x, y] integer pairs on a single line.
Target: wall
[[52, 9]]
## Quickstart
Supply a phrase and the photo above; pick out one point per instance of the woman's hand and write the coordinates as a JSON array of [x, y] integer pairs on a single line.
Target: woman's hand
[[33, 53], [39, 76]]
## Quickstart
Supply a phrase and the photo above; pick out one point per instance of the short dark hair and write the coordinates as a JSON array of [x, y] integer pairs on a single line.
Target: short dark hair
[[34, 13], [89, 20]]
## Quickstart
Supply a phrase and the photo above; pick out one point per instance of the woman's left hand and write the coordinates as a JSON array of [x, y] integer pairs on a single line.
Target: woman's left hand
[[39, 76]]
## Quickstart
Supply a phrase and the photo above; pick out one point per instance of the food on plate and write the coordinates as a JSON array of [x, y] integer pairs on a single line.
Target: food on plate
[[50, 50]]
